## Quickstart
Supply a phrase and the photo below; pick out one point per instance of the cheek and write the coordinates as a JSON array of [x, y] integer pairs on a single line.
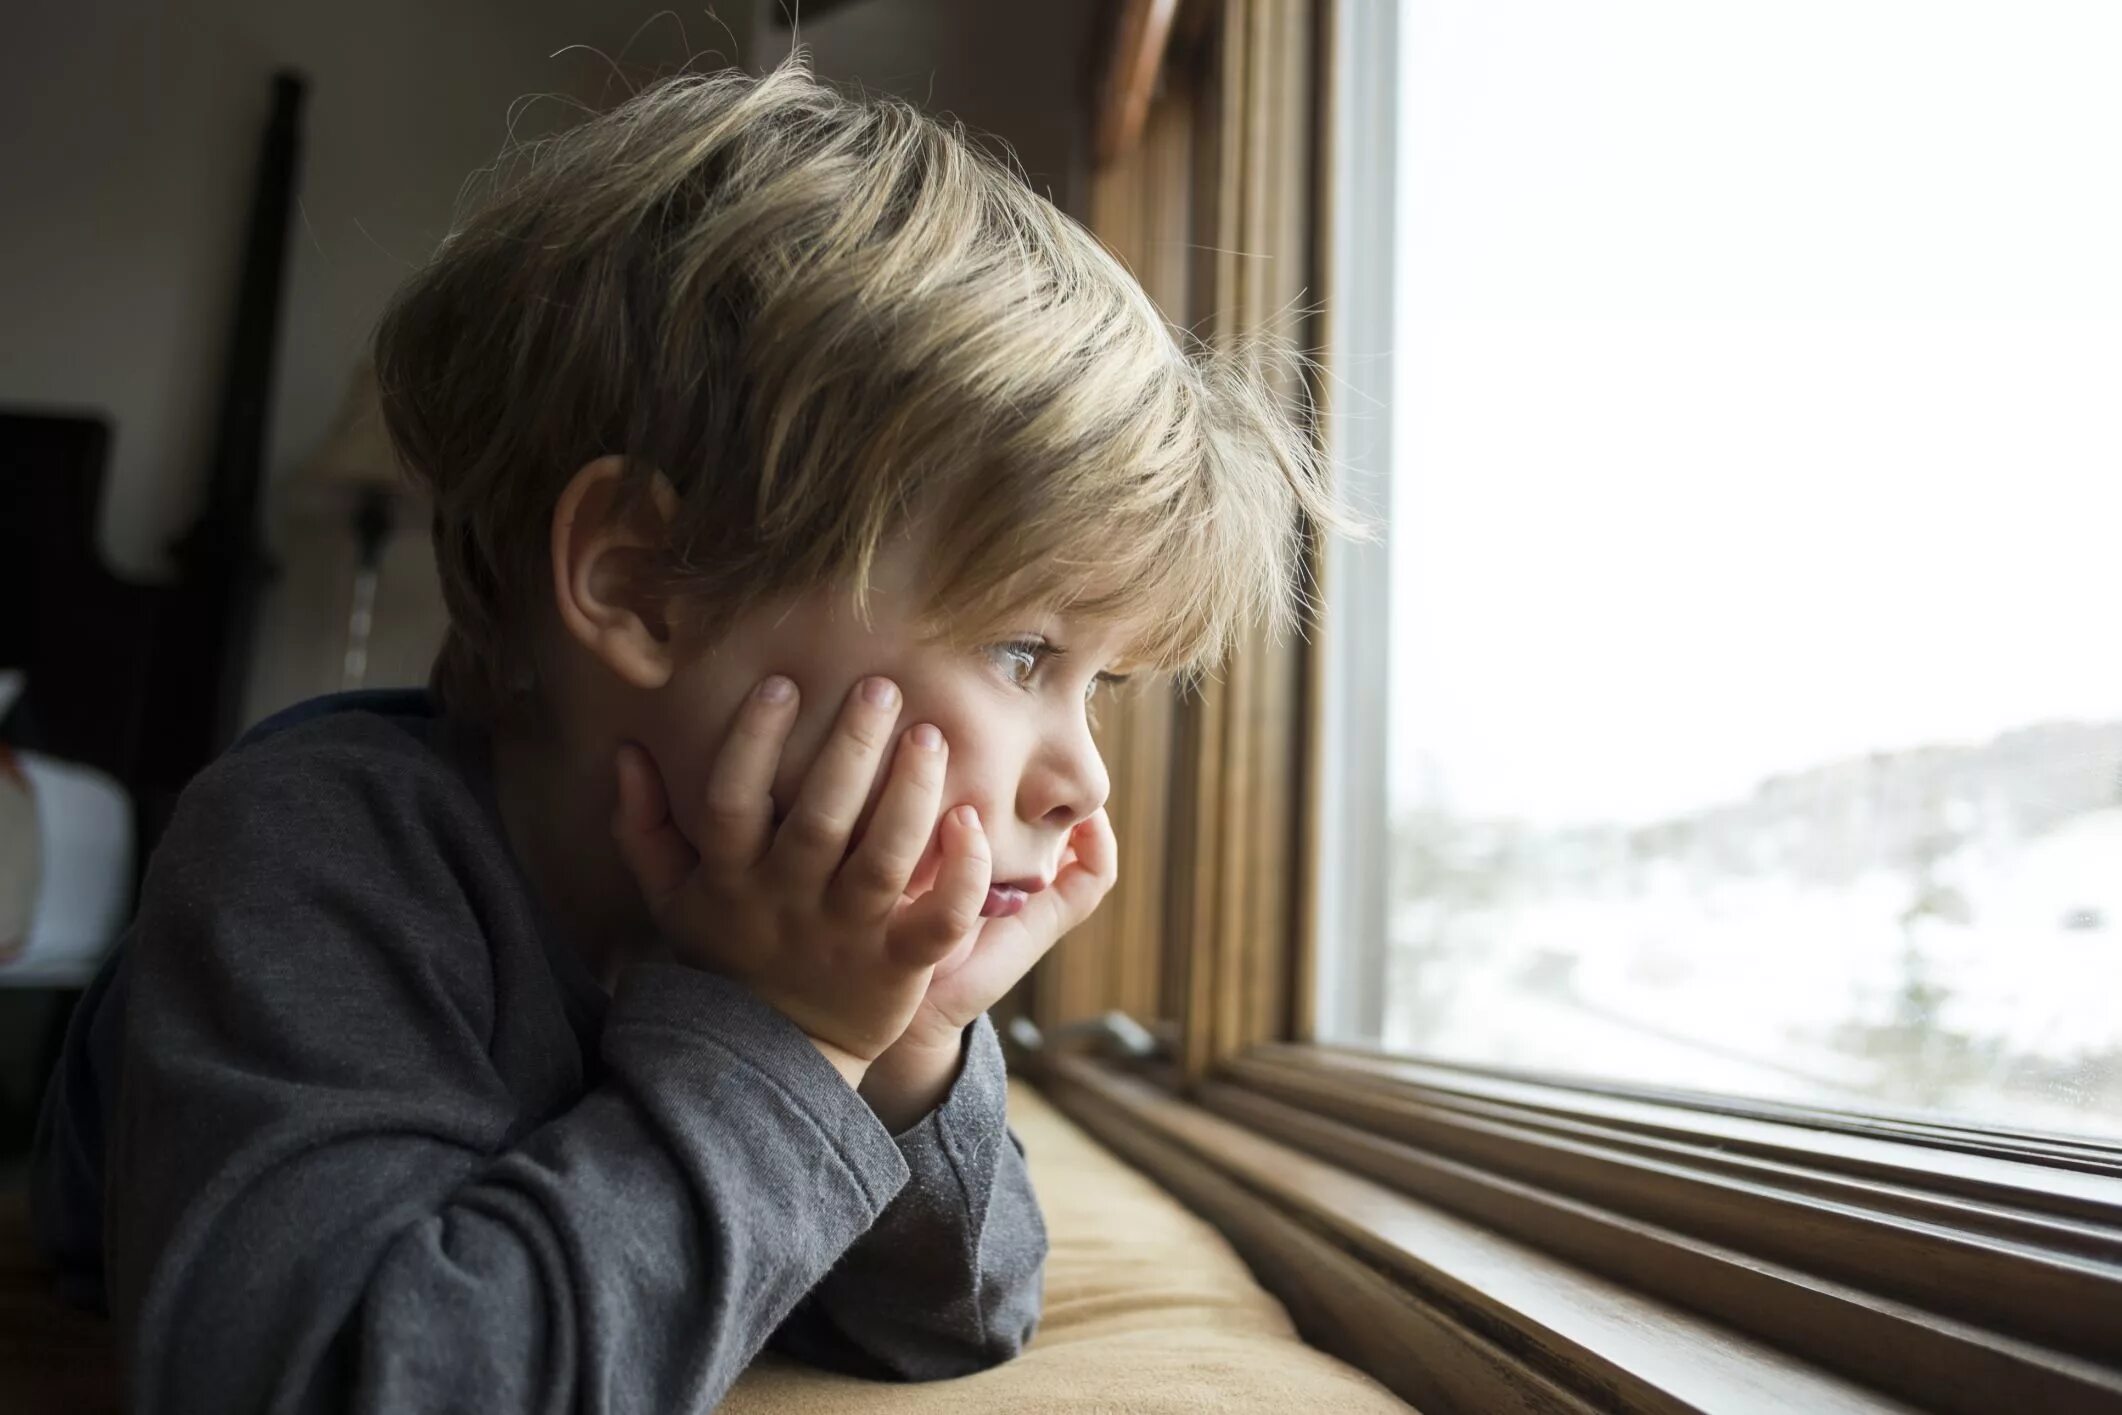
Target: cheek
[[978, 776], [692, 728], [972, 775], [983, 774], [813, 724], [684, 738], [816, 722]]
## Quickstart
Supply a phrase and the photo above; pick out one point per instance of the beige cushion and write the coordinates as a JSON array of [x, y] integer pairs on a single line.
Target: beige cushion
[[1147, 1310]]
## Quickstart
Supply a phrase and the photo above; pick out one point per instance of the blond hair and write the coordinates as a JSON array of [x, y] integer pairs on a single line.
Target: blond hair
[[826, 319]]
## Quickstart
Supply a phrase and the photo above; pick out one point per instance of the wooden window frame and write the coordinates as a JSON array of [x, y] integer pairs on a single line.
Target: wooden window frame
[[1479, 1238]]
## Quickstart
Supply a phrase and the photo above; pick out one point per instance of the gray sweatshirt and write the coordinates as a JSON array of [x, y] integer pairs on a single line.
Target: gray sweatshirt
[[343, 1128]]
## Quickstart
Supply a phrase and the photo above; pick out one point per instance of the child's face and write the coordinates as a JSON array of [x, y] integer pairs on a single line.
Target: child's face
[[1013, 713]]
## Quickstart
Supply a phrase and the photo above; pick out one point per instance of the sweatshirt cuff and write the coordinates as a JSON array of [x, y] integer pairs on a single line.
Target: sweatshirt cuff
[[959, 1135], [730, 1026]]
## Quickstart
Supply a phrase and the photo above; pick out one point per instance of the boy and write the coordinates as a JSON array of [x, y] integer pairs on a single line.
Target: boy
[[560, 1037]]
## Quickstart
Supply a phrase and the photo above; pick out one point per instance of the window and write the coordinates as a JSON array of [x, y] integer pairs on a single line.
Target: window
[[1726, 388], [1742, 423]]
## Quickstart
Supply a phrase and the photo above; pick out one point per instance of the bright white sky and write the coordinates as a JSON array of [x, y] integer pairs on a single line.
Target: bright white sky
[[1759, 390]]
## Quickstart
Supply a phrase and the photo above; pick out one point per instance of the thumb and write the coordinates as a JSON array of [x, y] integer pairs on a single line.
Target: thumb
[[655, 852]]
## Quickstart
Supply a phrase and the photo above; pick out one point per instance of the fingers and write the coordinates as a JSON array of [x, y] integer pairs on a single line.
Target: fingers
[[656, 854], [810, 843], [1082, 883], [1008, 947], [739, 819], [1097, 866], [869, 884], [935, 923]]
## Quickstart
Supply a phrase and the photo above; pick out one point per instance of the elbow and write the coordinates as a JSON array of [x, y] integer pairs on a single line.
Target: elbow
[[1013, 1327], [1008, 1341], [948, 1361], [1003, 1342], [1006, 1327], [1003, 1327]]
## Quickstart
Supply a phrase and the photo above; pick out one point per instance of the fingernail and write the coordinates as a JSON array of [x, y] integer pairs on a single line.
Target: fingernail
[[880, 692], [927, 738], [776, 690], [967, 817]]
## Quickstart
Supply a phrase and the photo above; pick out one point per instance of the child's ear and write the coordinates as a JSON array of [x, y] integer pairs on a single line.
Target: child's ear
[[604, 570]]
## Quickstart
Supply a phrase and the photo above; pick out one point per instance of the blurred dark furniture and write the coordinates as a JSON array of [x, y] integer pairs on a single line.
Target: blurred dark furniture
[[86, 636], [146, 681]]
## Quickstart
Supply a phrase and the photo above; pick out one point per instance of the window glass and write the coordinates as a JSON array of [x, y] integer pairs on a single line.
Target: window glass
[[1754, 622]]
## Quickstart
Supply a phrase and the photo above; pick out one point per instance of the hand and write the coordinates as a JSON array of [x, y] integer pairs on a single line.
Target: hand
[[916, 1072], [827, 937], [984, 966]]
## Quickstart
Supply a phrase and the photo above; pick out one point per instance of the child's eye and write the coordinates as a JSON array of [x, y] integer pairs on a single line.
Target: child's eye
[[1018, 659]]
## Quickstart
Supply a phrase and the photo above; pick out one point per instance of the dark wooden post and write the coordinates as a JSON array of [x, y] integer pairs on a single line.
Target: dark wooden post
[[222, 563]]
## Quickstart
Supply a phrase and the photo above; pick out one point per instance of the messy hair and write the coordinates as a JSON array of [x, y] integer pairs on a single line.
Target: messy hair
[[829, 319]]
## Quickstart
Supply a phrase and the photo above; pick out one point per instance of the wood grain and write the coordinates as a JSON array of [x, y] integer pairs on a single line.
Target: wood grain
[[1949, 1300], [1465, 1318], [1122, 957], [1132, 68]]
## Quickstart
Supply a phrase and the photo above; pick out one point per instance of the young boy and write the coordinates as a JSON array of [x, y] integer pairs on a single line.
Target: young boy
[[562, 1036]]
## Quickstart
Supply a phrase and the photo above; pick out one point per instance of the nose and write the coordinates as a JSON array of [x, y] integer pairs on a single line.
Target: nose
[[1066, 781]]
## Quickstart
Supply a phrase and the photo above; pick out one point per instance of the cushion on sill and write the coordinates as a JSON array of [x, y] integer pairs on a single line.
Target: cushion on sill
[[1148, 1312]]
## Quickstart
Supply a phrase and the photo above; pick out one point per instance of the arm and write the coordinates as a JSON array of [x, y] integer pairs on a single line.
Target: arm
[[323, 1196], [947, 1281]]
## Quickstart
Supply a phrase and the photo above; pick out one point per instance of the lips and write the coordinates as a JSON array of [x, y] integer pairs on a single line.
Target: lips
[[1008, 897]]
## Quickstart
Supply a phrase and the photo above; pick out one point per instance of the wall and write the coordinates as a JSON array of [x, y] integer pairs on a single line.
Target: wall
[[128, 133], [131, 132], [1015, 69]]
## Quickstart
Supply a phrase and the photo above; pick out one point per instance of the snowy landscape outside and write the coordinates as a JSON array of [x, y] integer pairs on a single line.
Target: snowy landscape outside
[[1937, 930], [1756, 531]]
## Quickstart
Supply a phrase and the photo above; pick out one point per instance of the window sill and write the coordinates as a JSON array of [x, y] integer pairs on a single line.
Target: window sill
[[1479, 1242]]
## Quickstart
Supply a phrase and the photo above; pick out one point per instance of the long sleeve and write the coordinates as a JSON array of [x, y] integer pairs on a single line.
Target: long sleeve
[[947, 1282], [332, 1186]]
